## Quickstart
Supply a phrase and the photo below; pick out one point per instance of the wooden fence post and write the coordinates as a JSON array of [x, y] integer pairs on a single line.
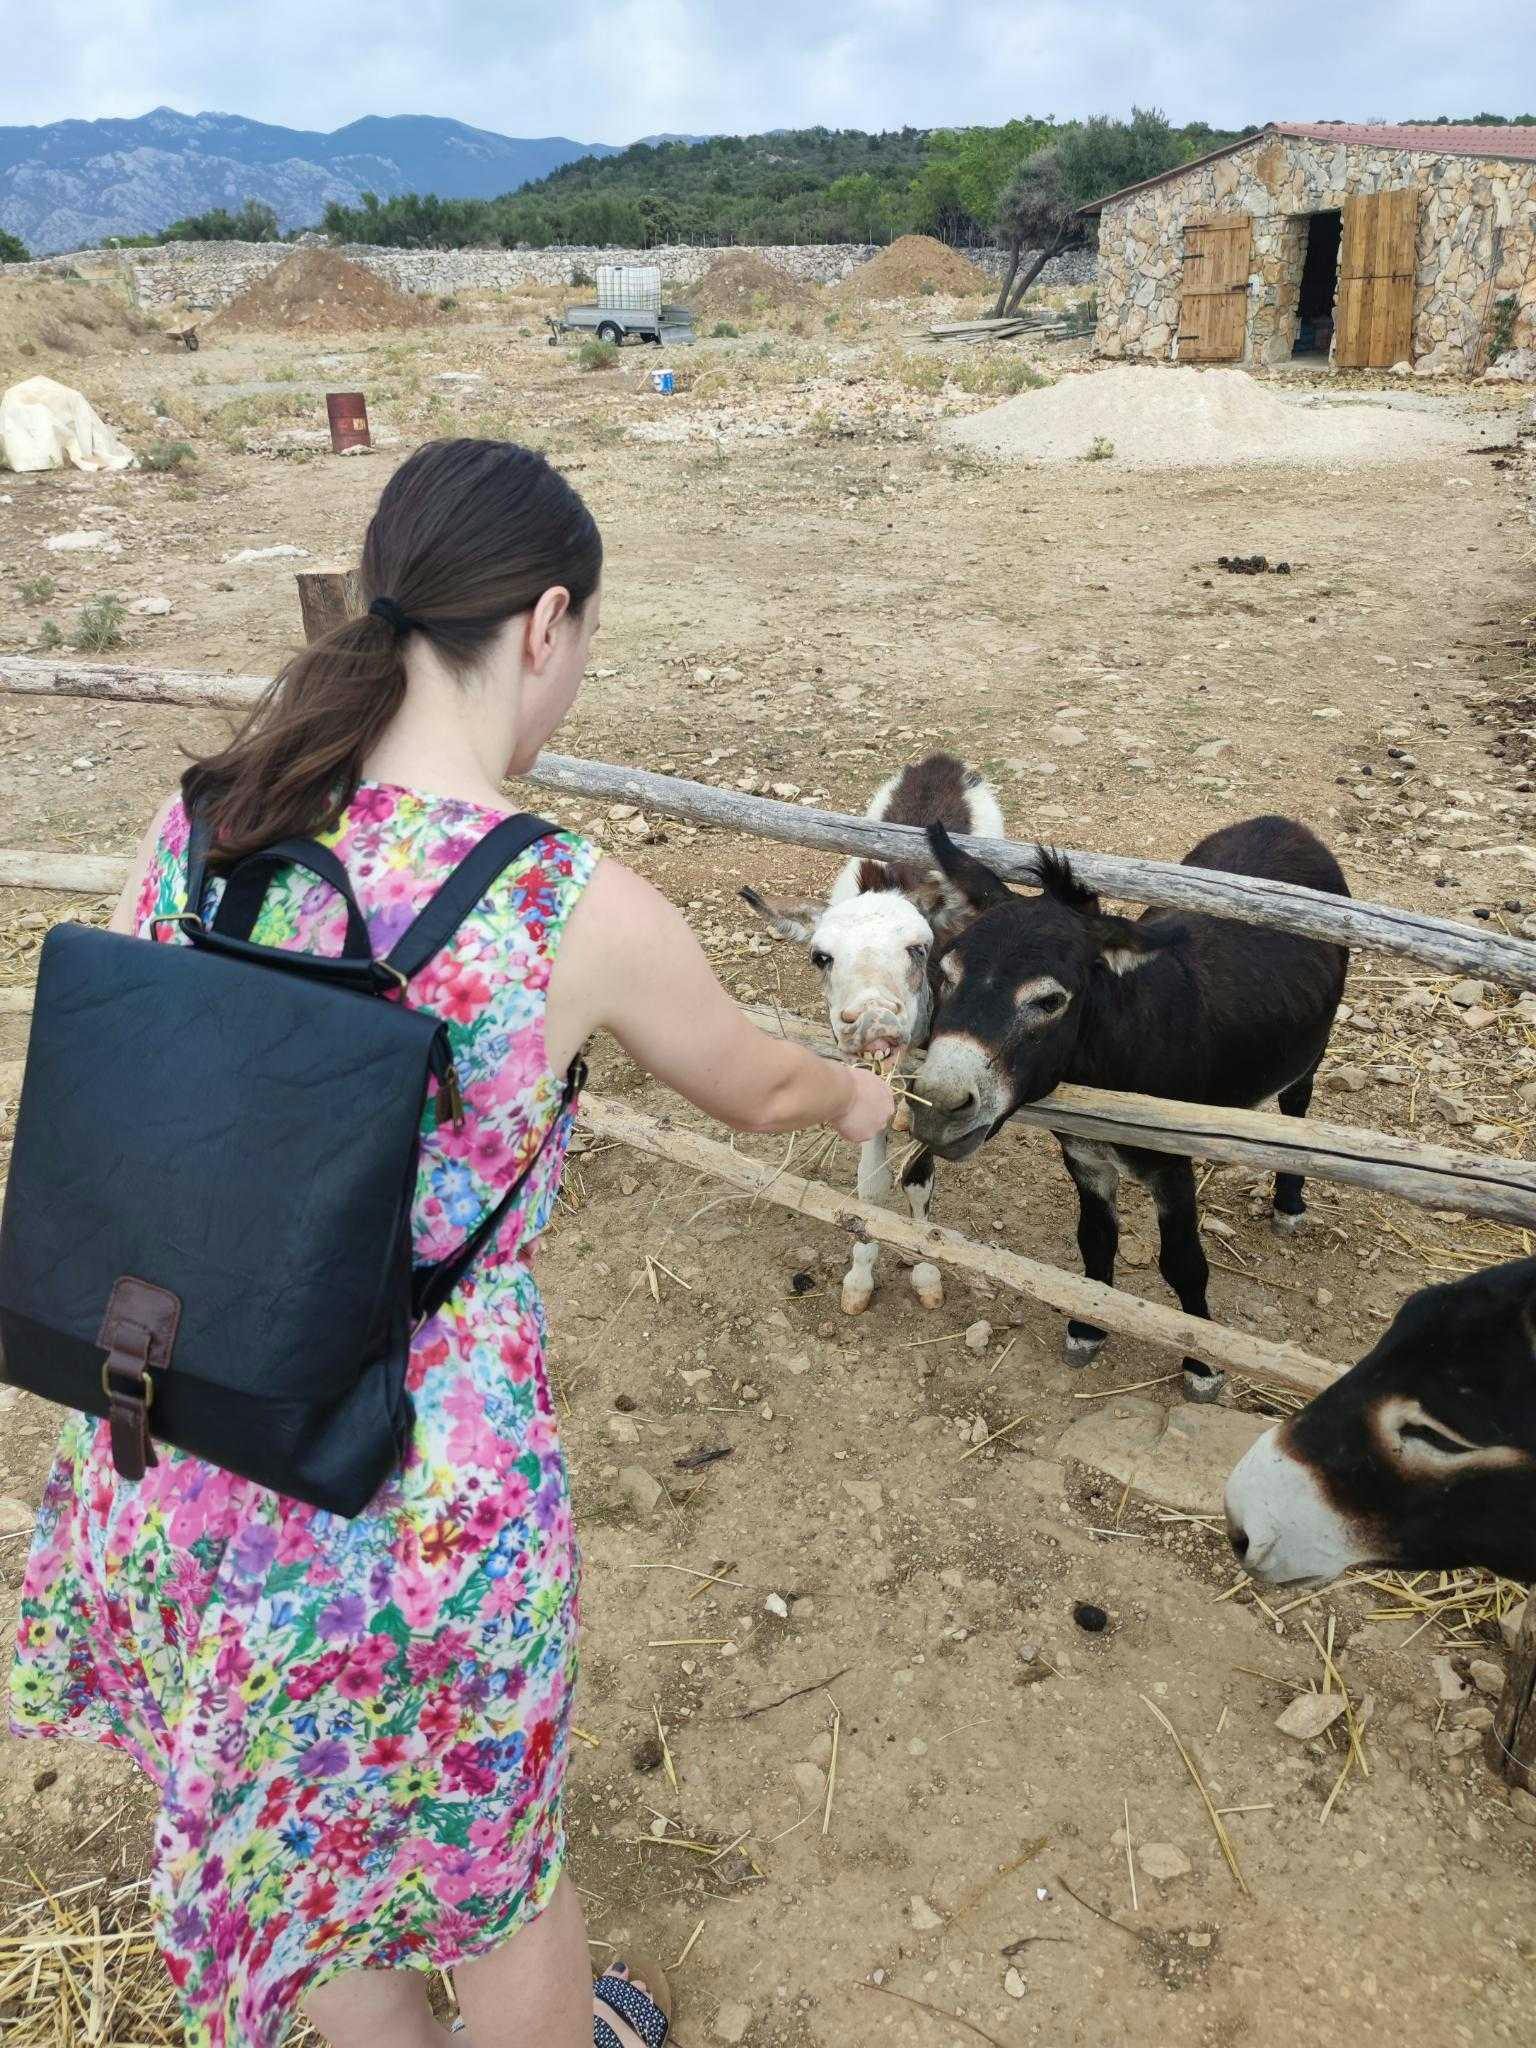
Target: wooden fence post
[[327, 597], [1511, 1743]]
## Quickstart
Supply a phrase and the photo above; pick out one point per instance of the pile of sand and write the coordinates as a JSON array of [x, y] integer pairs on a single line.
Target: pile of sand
[[910, 262], [45, 318], [1173, 418], [318, 291], [741, 282]]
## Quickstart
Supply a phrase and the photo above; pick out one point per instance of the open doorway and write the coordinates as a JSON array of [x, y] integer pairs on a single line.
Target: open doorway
[[1319, 283]]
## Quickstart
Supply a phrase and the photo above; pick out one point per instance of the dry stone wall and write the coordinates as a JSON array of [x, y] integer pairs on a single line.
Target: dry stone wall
[[206, 275], [1476, 245]]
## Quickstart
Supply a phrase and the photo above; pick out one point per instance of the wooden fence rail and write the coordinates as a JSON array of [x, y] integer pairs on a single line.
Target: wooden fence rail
[[1441, 943]]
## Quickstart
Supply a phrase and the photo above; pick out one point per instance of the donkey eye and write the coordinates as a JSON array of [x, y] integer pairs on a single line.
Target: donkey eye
[[820, 961], [1433, 1439], [1051, 1005], [919, 951]]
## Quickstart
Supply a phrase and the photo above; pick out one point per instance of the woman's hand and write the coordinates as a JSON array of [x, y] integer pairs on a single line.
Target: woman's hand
[[870, 1108]]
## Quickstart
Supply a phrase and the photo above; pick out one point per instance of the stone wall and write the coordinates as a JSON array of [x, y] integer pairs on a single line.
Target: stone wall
[[1476, 243], [206, 275]]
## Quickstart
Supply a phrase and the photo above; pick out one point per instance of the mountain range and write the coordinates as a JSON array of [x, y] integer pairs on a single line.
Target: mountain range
[[74, 183]]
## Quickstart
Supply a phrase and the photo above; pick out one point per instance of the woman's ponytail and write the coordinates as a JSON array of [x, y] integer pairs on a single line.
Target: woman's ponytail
[[466, 535]]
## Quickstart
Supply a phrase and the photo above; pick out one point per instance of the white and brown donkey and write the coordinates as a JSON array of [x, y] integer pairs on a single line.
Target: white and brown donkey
[[874, 943]]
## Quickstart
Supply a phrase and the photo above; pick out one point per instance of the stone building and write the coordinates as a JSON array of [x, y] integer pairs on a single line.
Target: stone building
[[1365, 246]]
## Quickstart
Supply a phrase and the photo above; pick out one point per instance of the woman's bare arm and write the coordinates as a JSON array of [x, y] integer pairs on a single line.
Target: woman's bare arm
[[124, 917], [628, 963]]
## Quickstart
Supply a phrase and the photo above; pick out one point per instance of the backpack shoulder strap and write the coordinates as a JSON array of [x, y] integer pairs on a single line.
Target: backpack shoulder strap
[[432, 1285], [464, 888]]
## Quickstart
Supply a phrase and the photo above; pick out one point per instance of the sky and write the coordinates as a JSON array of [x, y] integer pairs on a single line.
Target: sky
[[612, 70]]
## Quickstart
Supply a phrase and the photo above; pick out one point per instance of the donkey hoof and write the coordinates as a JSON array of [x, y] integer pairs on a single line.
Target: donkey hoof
[[858, 1293], [1084, 1350], [928, 1285], [1202, 1385], [1286, 1222]]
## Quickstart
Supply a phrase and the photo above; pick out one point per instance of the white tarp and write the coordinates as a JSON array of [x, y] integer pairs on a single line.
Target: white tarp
[[43, 425]]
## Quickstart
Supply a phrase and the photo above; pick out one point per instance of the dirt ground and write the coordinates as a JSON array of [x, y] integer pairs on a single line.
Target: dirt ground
[[804, 591]]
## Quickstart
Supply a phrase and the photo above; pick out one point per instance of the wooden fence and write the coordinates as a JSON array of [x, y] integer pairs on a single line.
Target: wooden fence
[[1439, 1176]]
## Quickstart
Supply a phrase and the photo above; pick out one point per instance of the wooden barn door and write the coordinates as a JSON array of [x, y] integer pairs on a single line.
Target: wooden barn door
[[1374, 315], [1213, 309]]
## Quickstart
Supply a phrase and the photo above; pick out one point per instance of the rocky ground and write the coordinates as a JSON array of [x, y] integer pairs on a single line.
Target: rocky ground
[[803, 591]]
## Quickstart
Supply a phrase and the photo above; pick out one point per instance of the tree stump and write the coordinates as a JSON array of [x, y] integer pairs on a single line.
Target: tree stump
[[1511, 1741], [327, 597]]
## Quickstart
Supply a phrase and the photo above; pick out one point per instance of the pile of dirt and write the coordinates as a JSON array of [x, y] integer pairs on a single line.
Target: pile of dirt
[[1173, 418], [907, 265], [318, 291], [52, 317], [742, 282]]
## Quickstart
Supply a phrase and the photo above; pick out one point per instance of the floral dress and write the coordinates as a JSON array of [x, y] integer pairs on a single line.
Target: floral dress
[[358, 1728]]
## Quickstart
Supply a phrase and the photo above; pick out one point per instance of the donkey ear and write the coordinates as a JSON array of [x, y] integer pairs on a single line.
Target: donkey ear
[[976, 882], [1124, 945], [788, 920]]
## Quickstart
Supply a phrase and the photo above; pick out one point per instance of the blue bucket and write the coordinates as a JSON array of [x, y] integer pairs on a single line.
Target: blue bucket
[[664, 382]]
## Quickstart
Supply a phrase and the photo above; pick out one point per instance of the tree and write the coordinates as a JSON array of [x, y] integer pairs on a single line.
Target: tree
[[255, 222], [1036, 212], [965, 171], [12, 250], [1102, 155]]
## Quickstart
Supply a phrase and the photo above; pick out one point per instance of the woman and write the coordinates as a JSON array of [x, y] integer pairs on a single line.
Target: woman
[[358, 1728]]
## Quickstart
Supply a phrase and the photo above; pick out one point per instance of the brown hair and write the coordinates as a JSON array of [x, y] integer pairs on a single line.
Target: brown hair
[[466, 535]]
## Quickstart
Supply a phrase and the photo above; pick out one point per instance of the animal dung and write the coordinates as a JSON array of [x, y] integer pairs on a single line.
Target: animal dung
[[1089, 1617], [801, 1283], [1252, 565], [1309, 1714]]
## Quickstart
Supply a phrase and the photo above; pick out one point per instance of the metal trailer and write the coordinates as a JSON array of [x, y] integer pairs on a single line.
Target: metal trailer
[[629, 303]]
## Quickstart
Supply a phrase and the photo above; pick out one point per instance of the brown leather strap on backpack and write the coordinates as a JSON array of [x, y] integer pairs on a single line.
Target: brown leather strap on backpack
[[137, 1331]]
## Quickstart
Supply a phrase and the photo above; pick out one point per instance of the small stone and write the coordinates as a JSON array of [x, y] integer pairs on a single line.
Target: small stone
[[810, 1783], [1486, 1675], [1510, 1625], [1013, 1984], [1323, 1298], [1066, 736], [1309, 1714], [628, 1185], [15, 1515], [640, 1489], [152, 607], [1449, 1683], [703, 675], [1464, 994], [1350, 1079], [732, 2022], [1163, 1860], [622, 1430], [84, 540], [1522, 1805], [867, 1493], [978, 1336], [923, 1917], [778, 1605], [282, 552], [1478, 1018]]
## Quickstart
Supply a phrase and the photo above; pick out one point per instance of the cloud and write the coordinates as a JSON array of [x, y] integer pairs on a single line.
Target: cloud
[[609, 70]]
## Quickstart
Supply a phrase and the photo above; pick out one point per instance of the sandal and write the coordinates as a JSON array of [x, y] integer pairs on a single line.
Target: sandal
[[648, 2012]]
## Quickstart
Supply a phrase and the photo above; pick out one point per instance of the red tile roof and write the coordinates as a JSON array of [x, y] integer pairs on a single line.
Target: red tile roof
[[1517, 144]]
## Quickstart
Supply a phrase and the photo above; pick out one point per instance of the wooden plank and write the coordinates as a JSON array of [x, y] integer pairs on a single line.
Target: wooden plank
[[1434, 1176], [1109, 1307], [1377, 262], [1438, 942], [76, 874], [121, 683]]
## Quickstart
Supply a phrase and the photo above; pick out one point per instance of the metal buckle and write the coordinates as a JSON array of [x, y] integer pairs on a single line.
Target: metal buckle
[[399, 977], [181, 917], [144, 1387]]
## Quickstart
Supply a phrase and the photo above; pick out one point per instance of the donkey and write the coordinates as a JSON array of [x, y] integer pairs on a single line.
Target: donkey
[[873, 943], [1421, 1457], [1045, 989]]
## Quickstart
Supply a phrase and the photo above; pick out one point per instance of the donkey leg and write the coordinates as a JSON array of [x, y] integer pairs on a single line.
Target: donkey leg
[[1181, 1260], [874, 1186], [1096, 1175], [1289, 1207], [927, 1280]]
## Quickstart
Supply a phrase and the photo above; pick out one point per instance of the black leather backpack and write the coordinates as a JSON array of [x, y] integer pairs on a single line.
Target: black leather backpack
[[207, 1228]]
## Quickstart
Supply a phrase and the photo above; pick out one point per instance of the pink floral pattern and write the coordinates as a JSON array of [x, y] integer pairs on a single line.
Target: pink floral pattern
[[358, 1729]]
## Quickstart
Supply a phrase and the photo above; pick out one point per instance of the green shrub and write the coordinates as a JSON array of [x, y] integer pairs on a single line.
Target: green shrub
[[160, 406], [597, 355], [723, 331], [12, 250], [831, 319], [100, 625], [1502, 327], [36, 590], [447, 305], [581, 276], [1099, 449], [927, 288], [163, 455], [48, 634]]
